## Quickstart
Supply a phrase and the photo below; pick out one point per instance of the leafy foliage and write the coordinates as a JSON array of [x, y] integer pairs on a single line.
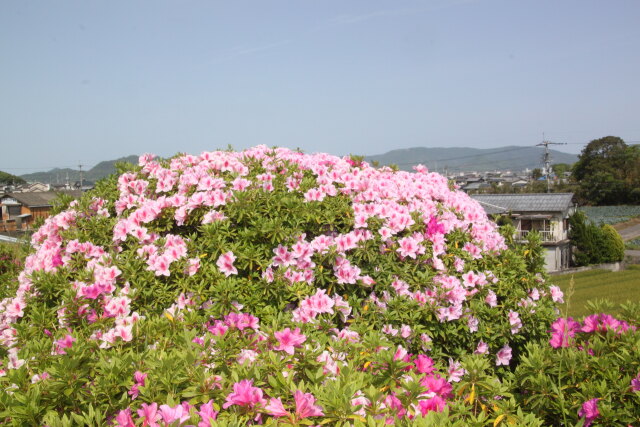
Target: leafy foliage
[[608, 172], [7, 178]]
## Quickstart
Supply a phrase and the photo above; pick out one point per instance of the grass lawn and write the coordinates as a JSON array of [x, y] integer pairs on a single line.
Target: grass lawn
[[618, 288]]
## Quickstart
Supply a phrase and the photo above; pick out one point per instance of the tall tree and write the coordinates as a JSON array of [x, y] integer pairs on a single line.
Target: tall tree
[[606, 172]]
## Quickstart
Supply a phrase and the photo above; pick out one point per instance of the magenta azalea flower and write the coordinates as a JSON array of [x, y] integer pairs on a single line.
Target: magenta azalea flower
[[424, 364], [436, 384], [589, 411], [563, 329], [635, 383], [436, 403]]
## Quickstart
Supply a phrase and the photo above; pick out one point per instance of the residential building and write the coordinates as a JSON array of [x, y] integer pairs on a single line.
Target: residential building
[[546, 213], [18, 211]]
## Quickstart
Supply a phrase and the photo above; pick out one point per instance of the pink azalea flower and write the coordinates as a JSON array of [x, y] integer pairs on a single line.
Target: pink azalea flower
[[436, 384], [482, 348], [360, 400], [225, 264], [589, 411], [503, 356], [177, 413], [456, 371], [472, 324], [207, 414], [491, 299], [563, 329], [66, 342], [245, 394], [514, 321], [409, 247], [400, 353], [424, 364], [276, 408], [556, 294], [134, 391], [123, 419], [436, 403], [149, 414], [389, 330], [194, 266], [289, 339], [305, 405]]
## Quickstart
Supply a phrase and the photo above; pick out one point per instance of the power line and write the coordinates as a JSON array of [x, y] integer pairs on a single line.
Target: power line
[[463, 157]]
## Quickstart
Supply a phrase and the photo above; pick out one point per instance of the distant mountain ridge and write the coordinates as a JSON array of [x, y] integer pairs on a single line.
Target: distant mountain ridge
[[453, 159], [99, 171], [458, 159]]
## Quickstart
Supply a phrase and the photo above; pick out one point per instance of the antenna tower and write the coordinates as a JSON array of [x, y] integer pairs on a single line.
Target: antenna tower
[[547, 158]]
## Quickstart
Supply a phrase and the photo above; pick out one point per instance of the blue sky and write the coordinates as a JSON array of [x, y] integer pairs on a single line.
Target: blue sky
[[89, 81]]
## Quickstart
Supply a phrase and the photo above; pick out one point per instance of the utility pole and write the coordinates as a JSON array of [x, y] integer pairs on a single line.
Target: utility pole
[[547, 158], [80, 166]]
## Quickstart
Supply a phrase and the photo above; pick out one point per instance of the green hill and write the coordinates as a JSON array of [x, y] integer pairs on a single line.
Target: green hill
[[7, 178], [97, 172]]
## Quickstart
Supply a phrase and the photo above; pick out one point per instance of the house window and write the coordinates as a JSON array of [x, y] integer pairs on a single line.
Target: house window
[[13, 210]]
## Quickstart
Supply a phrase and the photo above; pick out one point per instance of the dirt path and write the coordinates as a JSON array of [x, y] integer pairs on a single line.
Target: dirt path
[[629, 230]]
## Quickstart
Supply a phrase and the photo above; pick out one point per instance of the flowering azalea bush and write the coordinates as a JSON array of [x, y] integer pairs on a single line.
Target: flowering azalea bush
[[589, 371], [269, 286]]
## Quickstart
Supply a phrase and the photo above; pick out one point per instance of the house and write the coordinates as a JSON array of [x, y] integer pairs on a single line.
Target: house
[[18, 211], [475, 187], [546, 213], [32, 187]]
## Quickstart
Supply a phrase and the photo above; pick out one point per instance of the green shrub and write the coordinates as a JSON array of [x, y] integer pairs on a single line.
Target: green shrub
[[612, 245], [594, 244]]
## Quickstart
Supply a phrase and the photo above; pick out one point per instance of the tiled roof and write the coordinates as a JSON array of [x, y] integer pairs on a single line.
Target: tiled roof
[[41, 198], [528, 202]]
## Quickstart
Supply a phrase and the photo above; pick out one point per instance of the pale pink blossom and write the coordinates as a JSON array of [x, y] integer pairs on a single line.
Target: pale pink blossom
[[225, 263], [305, 405], [503, 356]]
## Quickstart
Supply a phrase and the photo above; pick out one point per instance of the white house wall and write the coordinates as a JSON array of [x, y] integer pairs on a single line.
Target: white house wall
[[552, 258]]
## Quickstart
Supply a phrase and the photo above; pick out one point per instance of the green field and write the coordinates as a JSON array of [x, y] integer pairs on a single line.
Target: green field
[[616, 287]]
